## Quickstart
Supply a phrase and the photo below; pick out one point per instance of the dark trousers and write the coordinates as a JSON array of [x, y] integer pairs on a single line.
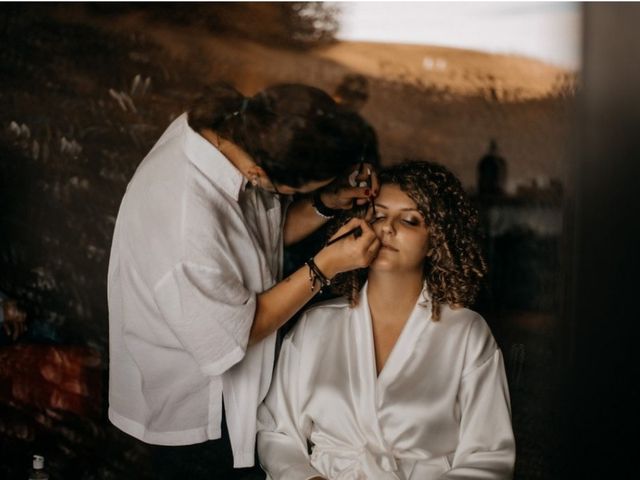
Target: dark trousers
[[211, 460]]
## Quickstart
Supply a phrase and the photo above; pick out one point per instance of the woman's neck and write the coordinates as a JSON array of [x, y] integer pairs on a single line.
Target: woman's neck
[[231, 152], [392, 296]]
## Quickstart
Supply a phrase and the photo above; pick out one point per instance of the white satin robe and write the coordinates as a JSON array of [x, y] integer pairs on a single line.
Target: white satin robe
[[438, 410]]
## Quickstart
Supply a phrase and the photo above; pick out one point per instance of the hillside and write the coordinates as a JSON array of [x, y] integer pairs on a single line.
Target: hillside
[[458, 71], [425, 101]]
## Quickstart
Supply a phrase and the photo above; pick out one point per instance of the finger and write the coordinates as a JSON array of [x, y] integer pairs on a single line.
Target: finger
[[352, 177], [352, 223], [372, 241], [364, 227], [364, 177], [368, 216], [374, 183], [372, 252], [367, 231], [368, 175], [374, 247], [365, 240], [354, 193]]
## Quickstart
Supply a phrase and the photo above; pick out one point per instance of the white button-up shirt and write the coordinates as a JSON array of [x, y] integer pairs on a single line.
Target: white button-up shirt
[[193, 245]]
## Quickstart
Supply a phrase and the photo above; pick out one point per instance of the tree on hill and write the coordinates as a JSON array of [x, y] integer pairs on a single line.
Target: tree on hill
[[299, 25]]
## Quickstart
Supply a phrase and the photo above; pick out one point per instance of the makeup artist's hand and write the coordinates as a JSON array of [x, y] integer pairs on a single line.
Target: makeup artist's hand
[[351, 252], [357, 184]]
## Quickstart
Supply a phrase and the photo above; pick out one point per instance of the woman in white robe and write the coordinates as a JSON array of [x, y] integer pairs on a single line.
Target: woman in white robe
[[407, 384]]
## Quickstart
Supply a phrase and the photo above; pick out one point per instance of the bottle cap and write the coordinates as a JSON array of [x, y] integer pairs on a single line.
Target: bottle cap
[[38, 462]]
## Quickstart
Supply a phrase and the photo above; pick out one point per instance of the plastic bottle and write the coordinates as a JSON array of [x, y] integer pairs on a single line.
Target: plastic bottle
[[38, 472]]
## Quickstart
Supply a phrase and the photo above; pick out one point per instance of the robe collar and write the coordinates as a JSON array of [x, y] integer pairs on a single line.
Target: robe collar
[[418, 321]]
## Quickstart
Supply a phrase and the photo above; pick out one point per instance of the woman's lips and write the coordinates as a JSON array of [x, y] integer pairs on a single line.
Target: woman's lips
[[389, 247]]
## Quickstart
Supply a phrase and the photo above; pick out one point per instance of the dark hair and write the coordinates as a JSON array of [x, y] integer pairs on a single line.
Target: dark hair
[[353, 90], [454, 266], [295, 132]]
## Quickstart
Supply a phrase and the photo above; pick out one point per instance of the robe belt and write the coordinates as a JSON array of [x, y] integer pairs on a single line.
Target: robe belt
[[360, 463]]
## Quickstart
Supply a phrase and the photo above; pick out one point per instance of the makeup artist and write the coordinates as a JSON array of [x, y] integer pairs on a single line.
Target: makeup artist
[[194, 288]]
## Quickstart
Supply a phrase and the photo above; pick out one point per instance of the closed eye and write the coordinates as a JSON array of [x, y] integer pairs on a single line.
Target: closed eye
[[412, 222]]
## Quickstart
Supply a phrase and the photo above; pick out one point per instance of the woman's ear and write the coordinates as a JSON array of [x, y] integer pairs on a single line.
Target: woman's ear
[[430, 247], [428, 250], [257, 175], [256, 171]]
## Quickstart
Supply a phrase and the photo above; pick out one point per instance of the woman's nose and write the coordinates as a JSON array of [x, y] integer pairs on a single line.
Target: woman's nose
[[387, 226]]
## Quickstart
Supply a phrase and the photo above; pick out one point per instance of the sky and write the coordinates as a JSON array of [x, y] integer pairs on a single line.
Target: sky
[[548, 31]]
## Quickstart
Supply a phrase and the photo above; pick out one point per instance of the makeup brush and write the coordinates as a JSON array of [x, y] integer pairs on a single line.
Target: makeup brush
[[355, 231]]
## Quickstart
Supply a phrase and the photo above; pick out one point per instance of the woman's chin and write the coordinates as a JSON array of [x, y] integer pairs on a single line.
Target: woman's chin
[[383, 265]]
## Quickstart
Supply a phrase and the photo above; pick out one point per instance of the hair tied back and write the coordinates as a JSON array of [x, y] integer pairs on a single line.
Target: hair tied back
[[242, 109]]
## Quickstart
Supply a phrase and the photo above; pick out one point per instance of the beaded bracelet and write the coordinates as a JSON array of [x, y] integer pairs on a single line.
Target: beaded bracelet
[[316, 275], [321, 209]]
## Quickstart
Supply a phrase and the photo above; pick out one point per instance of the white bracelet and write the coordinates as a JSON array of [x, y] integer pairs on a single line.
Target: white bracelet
[[321, 209]]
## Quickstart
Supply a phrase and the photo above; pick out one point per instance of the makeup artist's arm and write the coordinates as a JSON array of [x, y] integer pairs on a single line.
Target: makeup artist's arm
[[280, 303], [302, 219]]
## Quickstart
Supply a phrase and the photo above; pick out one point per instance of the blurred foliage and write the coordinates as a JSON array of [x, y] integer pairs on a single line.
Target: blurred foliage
[[80, 109], [298, 25]]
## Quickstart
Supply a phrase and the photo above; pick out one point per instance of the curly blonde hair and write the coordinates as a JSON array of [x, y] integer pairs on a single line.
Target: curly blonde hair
[[454, 267]]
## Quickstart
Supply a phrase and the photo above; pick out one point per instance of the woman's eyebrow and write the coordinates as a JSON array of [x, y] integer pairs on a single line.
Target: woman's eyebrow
[[379, 205]]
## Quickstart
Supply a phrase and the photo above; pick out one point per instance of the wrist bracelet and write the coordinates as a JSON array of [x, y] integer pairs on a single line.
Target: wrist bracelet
[[316, 275], [320, 208]]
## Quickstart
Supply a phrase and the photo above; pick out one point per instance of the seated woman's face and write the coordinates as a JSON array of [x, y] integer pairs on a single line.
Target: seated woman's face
[[402, 231]]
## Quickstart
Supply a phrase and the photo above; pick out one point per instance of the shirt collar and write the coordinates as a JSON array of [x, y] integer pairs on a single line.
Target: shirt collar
[[212, 163]]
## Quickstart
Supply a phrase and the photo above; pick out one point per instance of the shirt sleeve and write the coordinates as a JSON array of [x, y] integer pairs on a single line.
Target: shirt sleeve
[[486, 447], [210, 311], [282, 428]]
